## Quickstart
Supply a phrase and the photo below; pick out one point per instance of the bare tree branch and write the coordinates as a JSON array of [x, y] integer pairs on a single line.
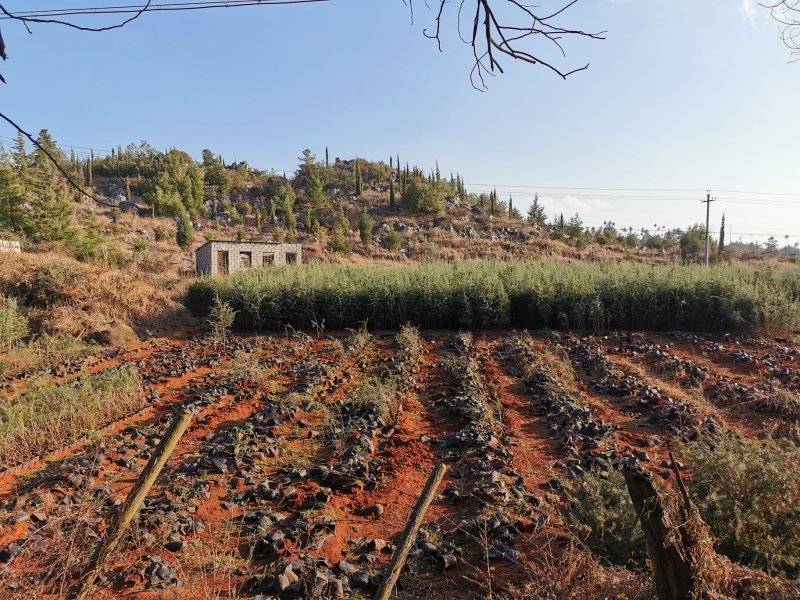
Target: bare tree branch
[[787, 14], [509, 27]]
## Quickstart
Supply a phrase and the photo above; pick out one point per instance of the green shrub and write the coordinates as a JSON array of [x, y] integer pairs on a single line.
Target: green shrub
[[748, 492], [600, 512], [14, 325], [392, 240], [531, 295], [339, 242], [160, 233]]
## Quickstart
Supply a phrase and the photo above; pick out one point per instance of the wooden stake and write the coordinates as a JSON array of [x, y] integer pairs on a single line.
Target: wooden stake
[[410, 534], [669, 555], [133, 502]]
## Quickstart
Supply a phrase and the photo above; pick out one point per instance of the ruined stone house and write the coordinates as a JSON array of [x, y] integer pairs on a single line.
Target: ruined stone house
[[10, 247], [219, 257]]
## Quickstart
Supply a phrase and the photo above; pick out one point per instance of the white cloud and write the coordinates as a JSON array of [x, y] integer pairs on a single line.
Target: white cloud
[[569, 205], [749, 11]]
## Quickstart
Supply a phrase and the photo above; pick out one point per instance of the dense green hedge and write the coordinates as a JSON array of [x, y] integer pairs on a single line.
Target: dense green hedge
[[485, 294]]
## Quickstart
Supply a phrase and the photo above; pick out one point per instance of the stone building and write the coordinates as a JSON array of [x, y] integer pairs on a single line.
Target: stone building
[[222, 257], [9, 246]]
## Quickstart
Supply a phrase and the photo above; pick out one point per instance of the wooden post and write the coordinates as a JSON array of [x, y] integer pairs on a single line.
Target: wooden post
[[133, 502], [410, 534], [669, 557]]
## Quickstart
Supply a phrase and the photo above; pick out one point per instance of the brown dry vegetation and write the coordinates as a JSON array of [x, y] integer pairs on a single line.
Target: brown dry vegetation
[[66, 297]]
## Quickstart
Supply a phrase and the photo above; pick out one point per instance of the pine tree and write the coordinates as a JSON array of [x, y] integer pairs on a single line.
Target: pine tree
[[19, 153], [391, 196], [536, 214], [722, 234], [52, 213], [12, 197]]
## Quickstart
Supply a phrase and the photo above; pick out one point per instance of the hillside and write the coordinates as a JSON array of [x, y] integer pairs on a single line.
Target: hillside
[[340, 209]]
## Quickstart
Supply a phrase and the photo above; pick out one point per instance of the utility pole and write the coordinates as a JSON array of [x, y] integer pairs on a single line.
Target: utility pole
[[708, 202]]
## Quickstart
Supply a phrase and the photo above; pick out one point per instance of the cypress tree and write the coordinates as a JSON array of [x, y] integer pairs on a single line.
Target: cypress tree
[[391, 165], [89, 166], [326, 157], [397, 164], [365, 226], [510, 206], [722, 234], [492, 196], [184, 235], [359, 182], [391, 195]]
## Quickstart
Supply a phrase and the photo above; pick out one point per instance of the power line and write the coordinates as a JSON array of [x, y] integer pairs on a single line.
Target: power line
[[545, 189], [51, 13]]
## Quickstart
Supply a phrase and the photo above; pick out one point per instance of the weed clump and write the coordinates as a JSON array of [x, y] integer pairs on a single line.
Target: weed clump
[[599, 511], [50, 415], [221, 320], [14, 325], [748, 493]]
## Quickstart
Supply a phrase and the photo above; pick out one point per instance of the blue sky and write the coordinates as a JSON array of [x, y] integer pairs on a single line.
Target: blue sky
[[682, 95]]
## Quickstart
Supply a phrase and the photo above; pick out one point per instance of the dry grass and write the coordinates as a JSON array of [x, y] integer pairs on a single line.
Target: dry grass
[[42, 351], [66, 297], [50, 415]]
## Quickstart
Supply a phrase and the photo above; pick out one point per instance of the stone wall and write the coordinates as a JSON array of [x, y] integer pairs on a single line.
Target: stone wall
[[10, 246]]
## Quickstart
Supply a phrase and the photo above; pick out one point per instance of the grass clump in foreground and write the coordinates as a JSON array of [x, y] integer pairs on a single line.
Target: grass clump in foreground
[[600, 513], [13, 324], [42, 351], [49, 415], [534, 295], [748, 492]]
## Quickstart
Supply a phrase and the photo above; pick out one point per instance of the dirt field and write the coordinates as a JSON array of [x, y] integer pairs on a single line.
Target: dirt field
[[306, 455]]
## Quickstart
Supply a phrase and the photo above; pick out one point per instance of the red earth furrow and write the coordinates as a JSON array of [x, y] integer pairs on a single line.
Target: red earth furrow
[[216, 561]]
